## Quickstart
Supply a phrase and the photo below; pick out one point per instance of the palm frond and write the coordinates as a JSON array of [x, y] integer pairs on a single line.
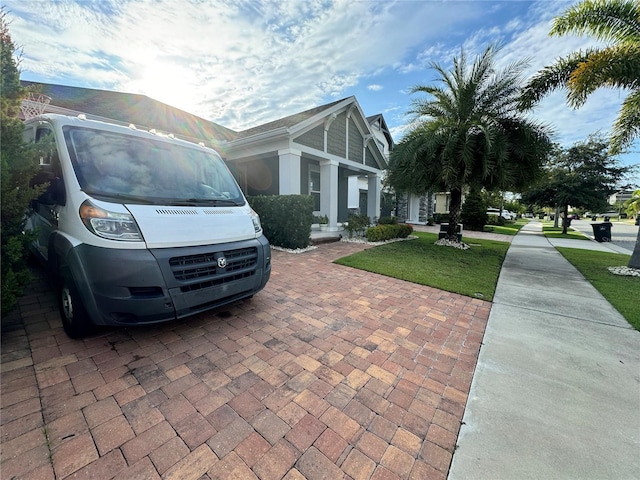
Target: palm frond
[[616, 66], [627, 126], [608, 20]]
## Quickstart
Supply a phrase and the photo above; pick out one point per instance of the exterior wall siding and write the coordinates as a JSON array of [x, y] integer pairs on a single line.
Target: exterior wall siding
[[370, 161], [337, 136], [314, 138], [355, 142], [262, 176]]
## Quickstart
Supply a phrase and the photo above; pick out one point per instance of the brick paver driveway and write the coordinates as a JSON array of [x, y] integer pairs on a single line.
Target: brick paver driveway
[[330, 372]]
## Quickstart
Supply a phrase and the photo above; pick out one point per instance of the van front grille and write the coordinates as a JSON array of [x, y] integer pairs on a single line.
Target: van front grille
[[209, 267]]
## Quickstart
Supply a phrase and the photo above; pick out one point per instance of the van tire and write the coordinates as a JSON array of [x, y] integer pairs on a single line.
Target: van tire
[[75, 319]]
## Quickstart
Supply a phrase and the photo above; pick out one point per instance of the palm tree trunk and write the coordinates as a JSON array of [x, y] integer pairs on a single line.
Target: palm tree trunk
[[634, 261], [565, 220], [454, 214]]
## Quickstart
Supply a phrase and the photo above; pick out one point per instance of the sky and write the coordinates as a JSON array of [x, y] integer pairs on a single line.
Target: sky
[[242, 63]]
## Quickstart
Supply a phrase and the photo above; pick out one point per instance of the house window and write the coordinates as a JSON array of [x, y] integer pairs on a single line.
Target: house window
[[314, 187]]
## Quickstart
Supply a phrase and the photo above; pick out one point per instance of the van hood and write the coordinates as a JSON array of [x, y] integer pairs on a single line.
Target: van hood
[[167, 226]]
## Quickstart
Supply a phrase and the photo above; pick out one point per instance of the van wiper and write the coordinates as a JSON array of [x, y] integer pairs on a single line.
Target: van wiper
[[211, 201], [121, 197]]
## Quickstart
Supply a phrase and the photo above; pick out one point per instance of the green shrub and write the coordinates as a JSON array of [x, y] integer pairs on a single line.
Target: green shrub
[[384, 232], [19, 164], [286, 219], [357, 224], [388, 221], [495, 220]]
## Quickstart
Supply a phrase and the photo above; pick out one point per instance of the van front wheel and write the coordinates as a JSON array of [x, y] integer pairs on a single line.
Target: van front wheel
[[75, 320]]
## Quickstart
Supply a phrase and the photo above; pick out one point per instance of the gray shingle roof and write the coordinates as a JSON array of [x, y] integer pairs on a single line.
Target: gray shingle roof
[[140, 110]]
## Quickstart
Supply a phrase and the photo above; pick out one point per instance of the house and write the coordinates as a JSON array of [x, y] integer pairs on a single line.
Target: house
[[620, 197], [332, 152]]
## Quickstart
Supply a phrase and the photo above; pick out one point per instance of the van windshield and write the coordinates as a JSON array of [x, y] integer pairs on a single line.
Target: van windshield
[[139, 170]]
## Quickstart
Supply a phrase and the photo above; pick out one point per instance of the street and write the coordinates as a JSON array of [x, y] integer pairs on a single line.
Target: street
[[622, 234]]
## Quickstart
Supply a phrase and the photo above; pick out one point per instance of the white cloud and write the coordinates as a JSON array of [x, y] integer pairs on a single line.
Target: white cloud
[[375, 87]]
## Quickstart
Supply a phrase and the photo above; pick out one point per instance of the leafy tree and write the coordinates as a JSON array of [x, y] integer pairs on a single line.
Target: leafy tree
[[19, 165], [582, 176], [467, 131], [616, 65]]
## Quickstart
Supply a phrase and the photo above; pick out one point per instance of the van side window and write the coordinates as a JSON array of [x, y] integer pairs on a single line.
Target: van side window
[[50, 171], [47, 146]]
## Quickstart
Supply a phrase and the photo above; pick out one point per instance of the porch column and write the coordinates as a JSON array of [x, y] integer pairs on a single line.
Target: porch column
[[329, 191], [289, 171], [373, 196]]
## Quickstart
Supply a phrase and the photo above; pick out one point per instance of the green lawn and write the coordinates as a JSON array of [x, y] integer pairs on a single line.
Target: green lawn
[[556, 232], [508, 229], [472, 272], [622, 292]]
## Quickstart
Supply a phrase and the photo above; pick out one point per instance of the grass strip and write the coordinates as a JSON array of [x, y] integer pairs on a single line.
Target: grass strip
[[472, 272], [623, 292], [507, 229], [556, 232]]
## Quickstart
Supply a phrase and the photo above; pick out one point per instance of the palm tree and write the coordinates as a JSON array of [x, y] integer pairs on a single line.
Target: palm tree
[[617, 65], [633, 207], [467, 132]]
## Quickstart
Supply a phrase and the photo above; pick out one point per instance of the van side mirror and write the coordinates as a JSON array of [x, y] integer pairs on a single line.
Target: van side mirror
[[54, 194]]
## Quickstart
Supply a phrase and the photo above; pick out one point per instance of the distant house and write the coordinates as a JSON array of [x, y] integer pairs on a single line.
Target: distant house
[[621, 196], [332, 152]]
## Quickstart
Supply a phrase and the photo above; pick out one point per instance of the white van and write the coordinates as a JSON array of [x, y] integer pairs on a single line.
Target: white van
[[140, 227]]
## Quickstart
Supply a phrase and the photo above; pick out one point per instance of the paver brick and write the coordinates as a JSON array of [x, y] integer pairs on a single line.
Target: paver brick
[[101, 411], [276, 462], [143, 444], [112, 433], [107, 466], [142, 470], [354, 382], [232, 467], [305, 432], [193, 466], [358, 465], [167, 455], [20, 426], [270, 426], [229, 437], [194, 430], [252, 448], [331, 444], [18, 466], [73, 455], [315, 466]]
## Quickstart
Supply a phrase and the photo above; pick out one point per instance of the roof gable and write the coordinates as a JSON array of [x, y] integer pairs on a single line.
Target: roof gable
[[289, 121]]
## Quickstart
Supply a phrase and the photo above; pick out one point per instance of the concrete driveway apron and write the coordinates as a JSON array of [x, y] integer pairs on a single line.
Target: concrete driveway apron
[[330, 372]]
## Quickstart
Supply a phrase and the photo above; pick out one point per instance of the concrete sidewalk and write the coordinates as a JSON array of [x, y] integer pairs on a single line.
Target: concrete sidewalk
[[556, 392]]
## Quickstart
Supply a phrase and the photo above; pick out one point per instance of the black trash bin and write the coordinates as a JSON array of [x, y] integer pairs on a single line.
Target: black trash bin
[[602, 231]]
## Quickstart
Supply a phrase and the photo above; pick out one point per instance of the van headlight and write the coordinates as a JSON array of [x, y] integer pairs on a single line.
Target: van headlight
[[111, 225], [255, 218]]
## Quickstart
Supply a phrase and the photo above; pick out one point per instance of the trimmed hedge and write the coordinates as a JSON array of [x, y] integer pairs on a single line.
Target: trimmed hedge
[[381, 233], [357, 225], [286, 219]]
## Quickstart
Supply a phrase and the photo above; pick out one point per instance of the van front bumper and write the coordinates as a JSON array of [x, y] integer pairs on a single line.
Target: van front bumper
[[127, 287]]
